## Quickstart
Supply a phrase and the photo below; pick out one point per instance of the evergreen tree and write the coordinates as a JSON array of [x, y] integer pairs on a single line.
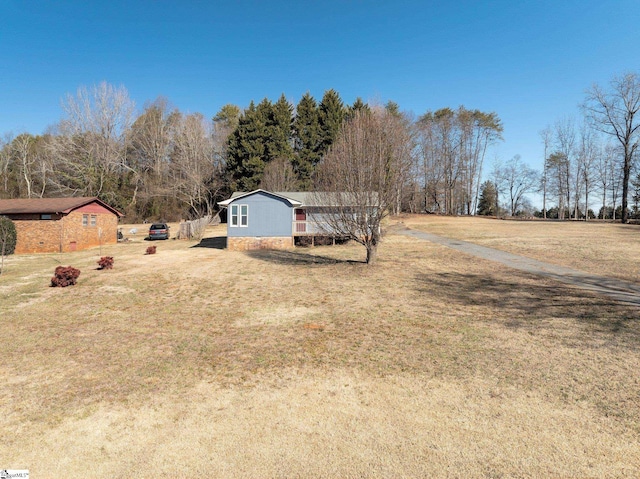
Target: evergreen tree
[[357, 106], [228, 116], [488, 203], [279, 130], [332, 114], [264, 133], [246, 150], [393, 108], [308, 139], [8, 239]]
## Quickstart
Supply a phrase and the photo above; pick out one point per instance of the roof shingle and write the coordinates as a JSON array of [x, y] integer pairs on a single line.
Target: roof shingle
[[48, 205]]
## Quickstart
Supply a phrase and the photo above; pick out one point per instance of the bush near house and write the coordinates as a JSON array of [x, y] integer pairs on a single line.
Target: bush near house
[[8, 239], [65, 276], [8, 235]]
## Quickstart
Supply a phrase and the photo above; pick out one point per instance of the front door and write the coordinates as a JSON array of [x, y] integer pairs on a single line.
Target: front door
[[301, 218]]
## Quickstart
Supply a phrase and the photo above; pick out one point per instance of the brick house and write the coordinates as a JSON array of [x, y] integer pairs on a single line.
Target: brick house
[[57, 225]]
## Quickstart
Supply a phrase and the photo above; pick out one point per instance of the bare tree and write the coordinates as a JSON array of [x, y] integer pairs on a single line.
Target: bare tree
[[565, 138], [24, 159], [615, 177], [195, 176], [359, 176], [516, 179], [615, 112], [279, 176], [452, 148], [5, 161], [586, 160], [151, 136], [90, 147], [547, 137], [602, 165], [557, 179], [431, 168], [478, 131]]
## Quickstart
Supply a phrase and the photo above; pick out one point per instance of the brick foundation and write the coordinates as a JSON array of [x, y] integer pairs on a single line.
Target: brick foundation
[[245, 243]]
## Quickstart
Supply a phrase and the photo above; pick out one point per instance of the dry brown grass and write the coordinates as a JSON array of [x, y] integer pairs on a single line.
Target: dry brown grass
[[203, 362]]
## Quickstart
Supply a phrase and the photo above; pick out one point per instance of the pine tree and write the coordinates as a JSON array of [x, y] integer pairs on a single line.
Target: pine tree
[[228, 116], [332, 114], [264, 133], [308, 139], [487, 205], [357, 106], [246, 151], [279, 138]]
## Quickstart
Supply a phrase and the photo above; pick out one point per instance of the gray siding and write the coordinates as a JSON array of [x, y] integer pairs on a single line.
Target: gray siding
[[268, 216]]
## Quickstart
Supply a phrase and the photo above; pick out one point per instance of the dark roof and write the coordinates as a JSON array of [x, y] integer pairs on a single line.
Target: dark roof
[[242, 194], [309, 198], [49, 205]]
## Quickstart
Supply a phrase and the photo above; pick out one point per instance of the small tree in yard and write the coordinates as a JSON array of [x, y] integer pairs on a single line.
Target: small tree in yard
[[8, 239], [488, 204], [360, 175]]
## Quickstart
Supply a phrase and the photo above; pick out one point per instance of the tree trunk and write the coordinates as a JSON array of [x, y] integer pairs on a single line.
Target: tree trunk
[[372, 253], [625, 186], [544, 197]]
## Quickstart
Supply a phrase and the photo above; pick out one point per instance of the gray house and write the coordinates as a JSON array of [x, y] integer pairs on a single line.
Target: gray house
[[262, 219]]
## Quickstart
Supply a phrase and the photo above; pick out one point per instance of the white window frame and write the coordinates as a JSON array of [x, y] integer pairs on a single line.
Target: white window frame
[[93, 221], [236, 216], [245, 216], [85, 220]]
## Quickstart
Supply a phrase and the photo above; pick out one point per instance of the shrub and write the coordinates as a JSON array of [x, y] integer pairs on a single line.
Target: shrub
[[106, 262], [65, 276], [151, 250], [8, 239]]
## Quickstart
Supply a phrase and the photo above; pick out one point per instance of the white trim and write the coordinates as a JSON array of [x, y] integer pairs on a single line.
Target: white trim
[[238, 216], [226, 203], [244, 216]]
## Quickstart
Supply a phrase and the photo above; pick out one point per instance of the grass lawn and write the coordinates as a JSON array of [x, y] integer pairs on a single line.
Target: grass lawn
[[308, 363]]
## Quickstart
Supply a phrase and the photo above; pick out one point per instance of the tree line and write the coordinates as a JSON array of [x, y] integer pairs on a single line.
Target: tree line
[[161, 163], [590, 163]]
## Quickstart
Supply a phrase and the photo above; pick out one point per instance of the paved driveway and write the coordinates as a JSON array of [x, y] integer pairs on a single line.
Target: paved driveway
[[620, 290]]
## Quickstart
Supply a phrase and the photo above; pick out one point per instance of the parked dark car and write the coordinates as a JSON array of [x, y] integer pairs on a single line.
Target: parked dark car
[[159, 231]]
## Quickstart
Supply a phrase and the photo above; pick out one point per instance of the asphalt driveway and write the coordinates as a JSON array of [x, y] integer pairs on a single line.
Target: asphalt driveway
[[620, 290]]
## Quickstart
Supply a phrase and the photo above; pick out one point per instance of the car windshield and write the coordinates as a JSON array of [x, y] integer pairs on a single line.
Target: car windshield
[[158, 227]]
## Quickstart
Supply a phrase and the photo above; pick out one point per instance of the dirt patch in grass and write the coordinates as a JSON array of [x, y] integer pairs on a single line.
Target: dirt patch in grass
[[202, 361]]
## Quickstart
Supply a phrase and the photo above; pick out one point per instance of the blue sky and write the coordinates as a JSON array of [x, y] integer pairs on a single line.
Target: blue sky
[[530, 62]]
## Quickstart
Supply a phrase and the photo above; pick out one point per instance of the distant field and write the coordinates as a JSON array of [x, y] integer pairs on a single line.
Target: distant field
[[203, 362]]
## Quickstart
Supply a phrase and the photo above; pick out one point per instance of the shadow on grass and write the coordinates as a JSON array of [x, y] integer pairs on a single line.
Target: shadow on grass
[[296, 258], [216, 242], [527, 303]]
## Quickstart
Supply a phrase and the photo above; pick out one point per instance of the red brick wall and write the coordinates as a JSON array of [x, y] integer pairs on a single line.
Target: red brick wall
[[60, 233], [36, 235], [106, 228]]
